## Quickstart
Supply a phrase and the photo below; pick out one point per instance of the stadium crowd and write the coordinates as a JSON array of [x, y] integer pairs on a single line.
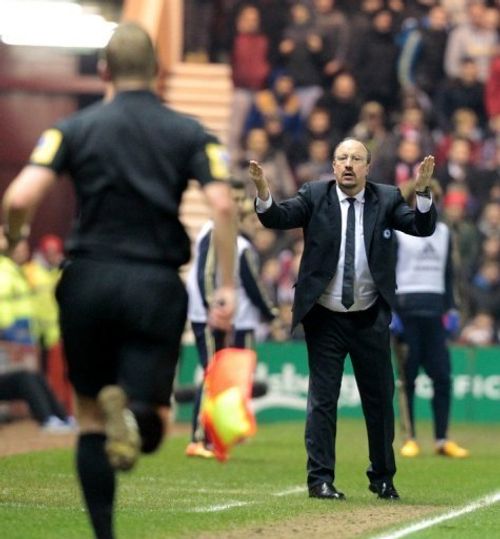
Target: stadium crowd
[[408, 78]]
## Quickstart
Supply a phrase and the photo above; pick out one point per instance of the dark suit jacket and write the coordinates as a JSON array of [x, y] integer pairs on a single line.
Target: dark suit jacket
[[316, 209]]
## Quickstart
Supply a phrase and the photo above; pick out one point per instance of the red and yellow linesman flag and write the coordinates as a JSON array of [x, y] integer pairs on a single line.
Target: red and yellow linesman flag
[[226, 415]]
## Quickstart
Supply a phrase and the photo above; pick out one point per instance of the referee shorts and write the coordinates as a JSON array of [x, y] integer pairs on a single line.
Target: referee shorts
[[122, 323]]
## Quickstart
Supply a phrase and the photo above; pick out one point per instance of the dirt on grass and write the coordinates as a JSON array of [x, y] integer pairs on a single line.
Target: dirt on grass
[[25, 436], [359, 522]]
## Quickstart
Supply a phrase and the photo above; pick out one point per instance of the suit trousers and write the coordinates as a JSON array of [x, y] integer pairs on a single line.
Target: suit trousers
[[364, 335]]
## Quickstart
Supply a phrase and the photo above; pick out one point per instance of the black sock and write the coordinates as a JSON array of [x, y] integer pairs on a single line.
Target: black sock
[[97, 479], [150, 426]]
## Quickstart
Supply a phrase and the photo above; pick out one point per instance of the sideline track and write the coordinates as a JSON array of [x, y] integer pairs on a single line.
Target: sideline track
[[486, 501]]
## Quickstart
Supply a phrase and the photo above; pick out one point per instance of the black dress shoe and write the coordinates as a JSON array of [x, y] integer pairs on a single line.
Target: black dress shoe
[[325, 491], [385, 490]]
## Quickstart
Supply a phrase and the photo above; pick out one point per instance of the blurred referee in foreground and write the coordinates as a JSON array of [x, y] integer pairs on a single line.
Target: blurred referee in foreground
[[122, 303]]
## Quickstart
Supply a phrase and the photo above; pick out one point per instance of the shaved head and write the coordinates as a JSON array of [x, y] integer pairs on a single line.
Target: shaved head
[[130, 53]]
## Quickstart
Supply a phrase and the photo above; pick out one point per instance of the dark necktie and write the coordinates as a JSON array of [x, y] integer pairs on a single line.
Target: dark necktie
[[348, 282]]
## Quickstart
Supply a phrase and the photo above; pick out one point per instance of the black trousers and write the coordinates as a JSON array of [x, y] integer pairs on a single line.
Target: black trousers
[[365, 337], [427, 348], [32, 388]]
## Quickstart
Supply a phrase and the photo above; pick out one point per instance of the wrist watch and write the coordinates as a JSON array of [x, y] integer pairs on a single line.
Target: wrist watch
[[425, 193]]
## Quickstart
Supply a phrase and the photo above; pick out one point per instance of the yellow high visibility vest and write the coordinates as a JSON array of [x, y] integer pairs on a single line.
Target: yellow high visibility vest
[[43, 281], [16, 299]]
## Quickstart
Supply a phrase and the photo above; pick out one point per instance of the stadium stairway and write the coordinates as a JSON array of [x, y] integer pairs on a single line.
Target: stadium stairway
[[203, 91]]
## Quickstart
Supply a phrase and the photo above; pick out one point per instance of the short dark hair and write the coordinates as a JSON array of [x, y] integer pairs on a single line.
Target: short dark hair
[[236, 184], [368, 152]]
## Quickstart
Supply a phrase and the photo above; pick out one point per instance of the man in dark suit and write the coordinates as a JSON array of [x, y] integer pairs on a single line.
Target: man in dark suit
[[343, 298]]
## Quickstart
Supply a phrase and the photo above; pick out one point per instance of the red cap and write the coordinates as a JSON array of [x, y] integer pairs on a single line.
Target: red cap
[[456, 198], [50, 242]]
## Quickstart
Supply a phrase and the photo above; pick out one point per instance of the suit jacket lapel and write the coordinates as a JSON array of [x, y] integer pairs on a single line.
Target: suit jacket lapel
[[369, 216]]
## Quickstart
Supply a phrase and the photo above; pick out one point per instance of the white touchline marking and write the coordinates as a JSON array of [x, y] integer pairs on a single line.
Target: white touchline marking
[[230, 505], [429, 522], [291, 490], [219, 507]]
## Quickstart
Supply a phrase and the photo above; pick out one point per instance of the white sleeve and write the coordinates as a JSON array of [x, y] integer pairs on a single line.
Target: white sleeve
[[263, 205], [423, 204]]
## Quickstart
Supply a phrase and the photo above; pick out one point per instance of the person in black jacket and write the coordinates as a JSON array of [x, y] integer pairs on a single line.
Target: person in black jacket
[[345, 287], [122, 302]]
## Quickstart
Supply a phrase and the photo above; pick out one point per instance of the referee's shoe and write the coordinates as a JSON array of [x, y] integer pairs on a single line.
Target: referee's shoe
[[123, 441]]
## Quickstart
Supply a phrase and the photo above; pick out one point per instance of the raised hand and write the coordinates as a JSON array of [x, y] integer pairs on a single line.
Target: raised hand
[[257, 176], [424, 174]]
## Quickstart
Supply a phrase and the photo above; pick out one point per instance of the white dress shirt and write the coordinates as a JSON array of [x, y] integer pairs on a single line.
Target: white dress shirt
[[365, 291]]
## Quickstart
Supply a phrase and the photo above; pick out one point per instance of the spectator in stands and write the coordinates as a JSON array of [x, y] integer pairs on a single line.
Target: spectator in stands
[[420, 62], [372, 130], [476, 39], [318, 127], [479, 331], [492, 86], [417, 9], [360, 21], [490, 250], [302, 55], [250, 69], [333, 29], [456, 10], [277, 14], [459, 169], [342, 103], [279, 101], [484, 290], [490, 156], [267, 245], [279, 139], [489, 220], [465, 91], [465, 124], [31, 387], [376, 67], [401, 167], [273, 161], [318, 166], [412, 125], [465, 239]]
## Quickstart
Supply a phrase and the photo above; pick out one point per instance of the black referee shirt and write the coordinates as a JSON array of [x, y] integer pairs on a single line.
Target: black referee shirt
[[130, 160]]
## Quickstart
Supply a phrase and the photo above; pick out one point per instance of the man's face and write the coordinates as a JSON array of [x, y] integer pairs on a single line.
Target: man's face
[[350, 166], [238, 198]]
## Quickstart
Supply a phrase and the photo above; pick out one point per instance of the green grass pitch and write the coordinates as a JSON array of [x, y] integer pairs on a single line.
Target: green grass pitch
[[169, 495]]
